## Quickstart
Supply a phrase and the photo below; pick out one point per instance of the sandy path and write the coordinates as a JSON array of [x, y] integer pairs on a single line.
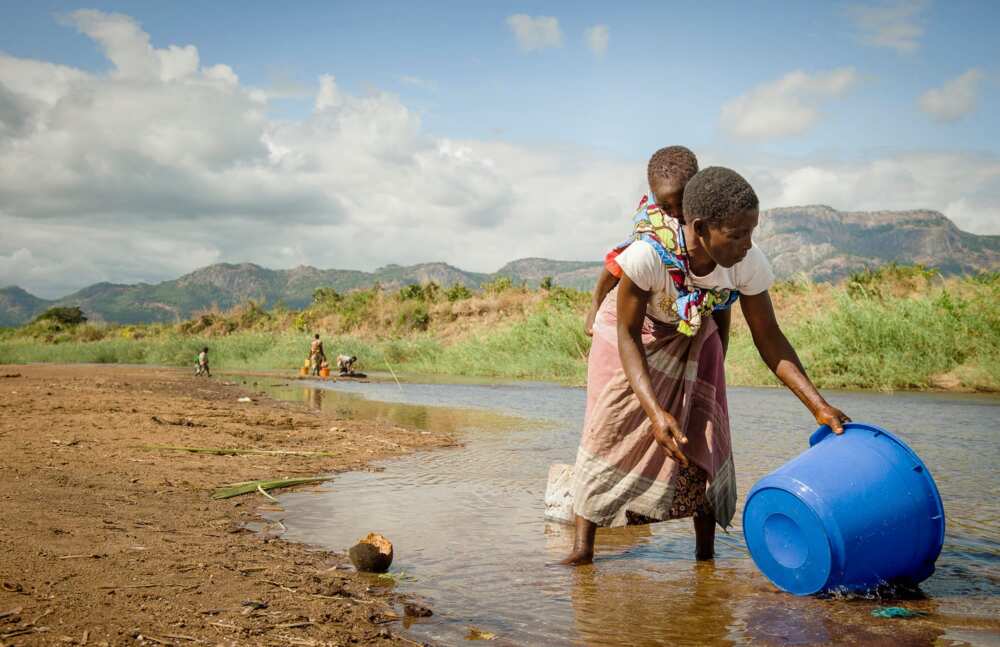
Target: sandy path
[[102, 541]]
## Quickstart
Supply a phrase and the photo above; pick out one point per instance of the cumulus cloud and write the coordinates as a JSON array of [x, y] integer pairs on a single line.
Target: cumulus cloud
[[893, 25], [963, 186], [597, 39], [146, 175], [955, 99], [786, 106], [328, 95], [535, 32], [165, 163]]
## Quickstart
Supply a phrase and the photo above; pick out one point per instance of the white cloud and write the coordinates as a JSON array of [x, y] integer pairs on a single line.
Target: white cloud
[[955, 99], [328, 95], [786, 106], [963, 186], [535, 32], [111, 178], [894, 25], [597, 39], [152, 172], [128, 47]]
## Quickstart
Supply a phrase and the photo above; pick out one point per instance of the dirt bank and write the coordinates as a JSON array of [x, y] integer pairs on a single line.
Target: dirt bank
[[103, 541]]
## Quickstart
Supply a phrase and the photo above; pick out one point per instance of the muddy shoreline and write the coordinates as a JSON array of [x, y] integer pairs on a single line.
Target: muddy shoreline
[[105, 541]]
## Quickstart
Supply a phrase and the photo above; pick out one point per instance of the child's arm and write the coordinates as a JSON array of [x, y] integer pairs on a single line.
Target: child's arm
[[722, 319], [606, 282], [780, 357]]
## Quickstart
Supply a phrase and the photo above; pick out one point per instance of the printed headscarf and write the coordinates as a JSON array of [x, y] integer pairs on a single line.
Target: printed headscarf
[[666, 236]]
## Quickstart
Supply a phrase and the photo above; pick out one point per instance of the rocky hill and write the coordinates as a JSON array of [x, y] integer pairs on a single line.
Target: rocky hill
[[825, 244], [18, 306], [817, 242]]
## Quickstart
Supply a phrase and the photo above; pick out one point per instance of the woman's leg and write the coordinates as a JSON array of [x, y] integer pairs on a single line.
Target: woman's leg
[[583, 543], [704, 535]]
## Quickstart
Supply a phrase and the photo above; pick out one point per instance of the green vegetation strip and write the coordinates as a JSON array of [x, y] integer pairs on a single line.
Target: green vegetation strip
[[894, 328], [237, 452], [247, 487]]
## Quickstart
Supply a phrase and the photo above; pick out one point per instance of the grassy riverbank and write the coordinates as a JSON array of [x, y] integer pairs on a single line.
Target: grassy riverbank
[[898, 328]]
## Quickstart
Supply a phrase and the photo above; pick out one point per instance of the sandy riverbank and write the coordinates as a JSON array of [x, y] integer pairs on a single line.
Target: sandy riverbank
[[103, 541]]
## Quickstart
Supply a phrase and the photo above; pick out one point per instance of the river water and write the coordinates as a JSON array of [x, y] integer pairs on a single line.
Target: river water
[[471, 542]]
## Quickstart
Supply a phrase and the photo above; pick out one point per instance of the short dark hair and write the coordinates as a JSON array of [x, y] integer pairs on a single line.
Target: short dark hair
[[674, 163], [205, 349], [316, 336], [717, 193]]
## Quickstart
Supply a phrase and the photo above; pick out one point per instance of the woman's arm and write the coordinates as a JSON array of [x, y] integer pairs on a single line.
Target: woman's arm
[[722, 319], [780, 357], [605, 283], [632, 301]]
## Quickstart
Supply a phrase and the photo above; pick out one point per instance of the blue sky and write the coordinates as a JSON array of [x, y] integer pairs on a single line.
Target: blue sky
[[862, 105], [665, 70]]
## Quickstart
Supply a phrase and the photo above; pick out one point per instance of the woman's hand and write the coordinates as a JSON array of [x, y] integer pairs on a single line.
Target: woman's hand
[[832, 417], [669, 436]]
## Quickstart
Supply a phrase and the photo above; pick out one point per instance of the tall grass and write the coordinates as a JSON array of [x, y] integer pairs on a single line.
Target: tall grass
[[887, 331]]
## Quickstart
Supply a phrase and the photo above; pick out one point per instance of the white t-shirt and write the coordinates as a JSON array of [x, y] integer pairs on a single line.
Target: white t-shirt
[[643, 266]]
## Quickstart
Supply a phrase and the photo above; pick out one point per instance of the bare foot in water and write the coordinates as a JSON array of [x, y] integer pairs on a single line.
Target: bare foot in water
[[577, 558], [583, 543]]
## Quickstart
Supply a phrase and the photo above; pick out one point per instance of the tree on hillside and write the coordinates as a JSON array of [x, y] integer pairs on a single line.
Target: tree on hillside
[[65, 315]]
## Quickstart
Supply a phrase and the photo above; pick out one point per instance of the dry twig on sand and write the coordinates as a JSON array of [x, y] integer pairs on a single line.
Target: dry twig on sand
[[234, 451]]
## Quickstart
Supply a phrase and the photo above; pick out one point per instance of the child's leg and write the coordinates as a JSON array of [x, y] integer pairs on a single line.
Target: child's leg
[[583, 543], [704, 535]]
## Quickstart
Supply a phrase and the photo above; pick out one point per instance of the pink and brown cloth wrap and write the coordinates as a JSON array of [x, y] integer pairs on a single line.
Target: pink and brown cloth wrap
[[622, 475]]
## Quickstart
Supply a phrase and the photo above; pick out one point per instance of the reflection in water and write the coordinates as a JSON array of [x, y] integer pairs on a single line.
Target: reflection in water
[[314, 397], [657, 612], [468, 528]]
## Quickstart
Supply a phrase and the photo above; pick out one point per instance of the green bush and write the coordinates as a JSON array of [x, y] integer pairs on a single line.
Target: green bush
[[457, 292], [497, 286], [413, 316], [410, 292], [326, 297], [63, 315]]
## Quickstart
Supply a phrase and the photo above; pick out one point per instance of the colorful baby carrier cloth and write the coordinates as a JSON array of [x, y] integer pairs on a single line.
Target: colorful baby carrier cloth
[[667, 237]]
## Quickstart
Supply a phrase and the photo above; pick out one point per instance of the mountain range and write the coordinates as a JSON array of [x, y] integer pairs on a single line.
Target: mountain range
[[815, 242]]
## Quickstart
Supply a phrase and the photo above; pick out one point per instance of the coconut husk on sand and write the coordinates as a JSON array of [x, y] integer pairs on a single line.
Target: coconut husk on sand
[[372, 554]]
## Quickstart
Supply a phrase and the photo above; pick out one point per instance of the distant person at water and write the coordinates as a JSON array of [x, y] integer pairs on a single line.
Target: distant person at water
[[345, 364], [655, 442], [316, 354], [201, 368]]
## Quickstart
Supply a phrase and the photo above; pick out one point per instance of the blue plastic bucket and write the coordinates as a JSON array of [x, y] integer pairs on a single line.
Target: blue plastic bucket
[[851, 512]]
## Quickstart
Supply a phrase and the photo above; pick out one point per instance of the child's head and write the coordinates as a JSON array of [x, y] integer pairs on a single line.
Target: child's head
[[669, 170], [316, 336], [205, 349], [723, 209]]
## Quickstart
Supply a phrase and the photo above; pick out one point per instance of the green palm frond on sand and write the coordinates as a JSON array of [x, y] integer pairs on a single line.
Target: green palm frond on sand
[[246, 487]]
